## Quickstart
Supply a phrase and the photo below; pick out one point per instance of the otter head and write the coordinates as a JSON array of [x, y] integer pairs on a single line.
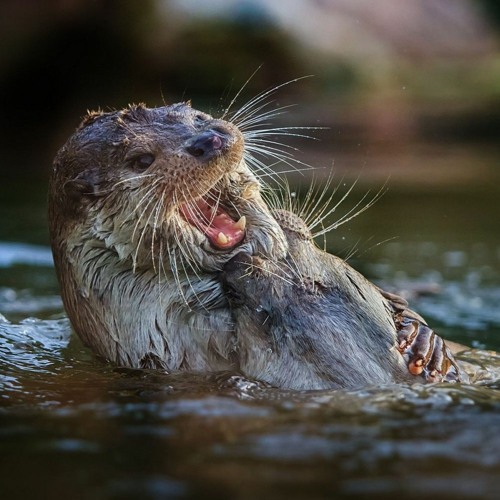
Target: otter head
[[162, 184]]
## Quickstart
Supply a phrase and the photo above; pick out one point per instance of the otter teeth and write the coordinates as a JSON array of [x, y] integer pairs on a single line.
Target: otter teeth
[[222, 239], [241, 223]]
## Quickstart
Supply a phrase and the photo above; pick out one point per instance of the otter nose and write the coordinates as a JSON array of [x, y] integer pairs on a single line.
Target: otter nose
[[205, 144]]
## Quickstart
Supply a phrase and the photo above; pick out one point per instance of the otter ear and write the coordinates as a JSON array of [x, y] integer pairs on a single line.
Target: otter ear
[[84, 185]]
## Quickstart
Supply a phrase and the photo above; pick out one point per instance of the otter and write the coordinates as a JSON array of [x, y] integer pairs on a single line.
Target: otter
[[147, 206], [310, 321]]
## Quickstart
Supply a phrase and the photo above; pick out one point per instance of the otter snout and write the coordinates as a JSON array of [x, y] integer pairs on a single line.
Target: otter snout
[[207, 144]]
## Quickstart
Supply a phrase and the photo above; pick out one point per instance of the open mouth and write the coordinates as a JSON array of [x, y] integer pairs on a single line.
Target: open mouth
[[221, 230]]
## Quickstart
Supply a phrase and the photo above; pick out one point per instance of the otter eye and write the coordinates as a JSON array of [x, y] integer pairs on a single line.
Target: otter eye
[[144, 161], [200, 118]]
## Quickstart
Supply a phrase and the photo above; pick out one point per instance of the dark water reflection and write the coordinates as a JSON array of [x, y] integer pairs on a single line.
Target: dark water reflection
[[73, 427]]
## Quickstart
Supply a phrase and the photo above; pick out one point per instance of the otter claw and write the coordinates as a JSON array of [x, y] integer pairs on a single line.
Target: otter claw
[[416, 367], [407, 330]]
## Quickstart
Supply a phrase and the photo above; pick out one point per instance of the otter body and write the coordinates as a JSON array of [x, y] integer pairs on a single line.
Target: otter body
[[310, 321], [147, 206]]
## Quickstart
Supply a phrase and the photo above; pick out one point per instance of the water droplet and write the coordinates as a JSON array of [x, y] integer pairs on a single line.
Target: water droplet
[[259, 308], [293, 194]]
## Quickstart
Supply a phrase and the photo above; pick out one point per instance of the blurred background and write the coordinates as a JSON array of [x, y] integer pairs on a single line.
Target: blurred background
[[388, 75]]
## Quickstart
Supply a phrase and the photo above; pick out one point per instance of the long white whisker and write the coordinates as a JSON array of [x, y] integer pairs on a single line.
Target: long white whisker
[[159, 207], [123, 181], [195, 293], [142, 200], [260, 97], [334, 208], [143, 232], [268, 149], [226, 111], [352, 213], [278, 156], [281, 132], [253, 119], [175, 273], [319, 210], [287, 281]]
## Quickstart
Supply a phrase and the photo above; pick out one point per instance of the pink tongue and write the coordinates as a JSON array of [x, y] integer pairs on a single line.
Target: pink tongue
[[219, 228]]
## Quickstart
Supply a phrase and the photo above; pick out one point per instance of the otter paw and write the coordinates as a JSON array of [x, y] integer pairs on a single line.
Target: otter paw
[[425, 352]]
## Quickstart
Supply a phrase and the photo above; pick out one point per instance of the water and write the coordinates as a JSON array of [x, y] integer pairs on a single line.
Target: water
[[74, 427]]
